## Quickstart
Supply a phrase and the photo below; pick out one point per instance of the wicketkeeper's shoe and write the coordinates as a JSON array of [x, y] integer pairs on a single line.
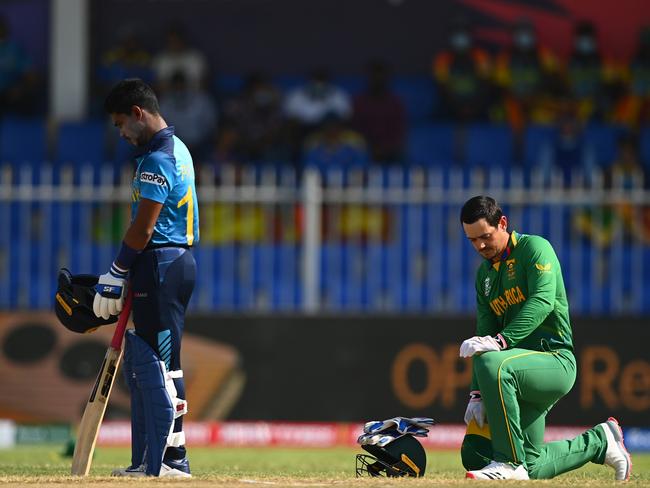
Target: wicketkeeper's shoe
[[132, 471], [616, 455], [499, 471], [175, 468]]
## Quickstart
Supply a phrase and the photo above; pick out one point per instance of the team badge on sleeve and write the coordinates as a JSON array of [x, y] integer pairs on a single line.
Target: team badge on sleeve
[[153, 178], [543, 268]]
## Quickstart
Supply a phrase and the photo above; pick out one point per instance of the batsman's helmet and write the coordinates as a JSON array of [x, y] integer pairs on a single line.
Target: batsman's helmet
[[74, 302], [403, 456]]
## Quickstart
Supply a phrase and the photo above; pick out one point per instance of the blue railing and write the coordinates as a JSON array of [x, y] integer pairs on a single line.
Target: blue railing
[[364, 240]]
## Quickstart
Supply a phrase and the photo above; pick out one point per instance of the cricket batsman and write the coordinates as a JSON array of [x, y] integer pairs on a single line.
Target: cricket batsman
[[156, 260], [522, 360]]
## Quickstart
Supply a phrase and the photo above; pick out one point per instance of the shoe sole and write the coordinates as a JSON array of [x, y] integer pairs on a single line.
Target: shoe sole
[[617, 432]]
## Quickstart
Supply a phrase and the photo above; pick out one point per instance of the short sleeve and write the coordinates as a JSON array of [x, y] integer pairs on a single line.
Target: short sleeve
[[156, 177]]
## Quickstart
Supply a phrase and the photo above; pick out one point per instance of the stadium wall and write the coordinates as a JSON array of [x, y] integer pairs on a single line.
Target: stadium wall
[[314, 369]]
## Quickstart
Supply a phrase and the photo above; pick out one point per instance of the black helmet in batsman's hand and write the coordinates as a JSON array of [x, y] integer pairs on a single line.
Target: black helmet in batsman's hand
[[74, 302]]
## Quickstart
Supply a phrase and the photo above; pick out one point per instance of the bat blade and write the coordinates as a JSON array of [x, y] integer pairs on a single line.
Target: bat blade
[[96, 406]]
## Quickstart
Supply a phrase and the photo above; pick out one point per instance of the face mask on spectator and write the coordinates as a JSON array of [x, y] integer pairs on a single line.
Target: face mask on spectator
[[460, 41], [585, 44], [524, 40]]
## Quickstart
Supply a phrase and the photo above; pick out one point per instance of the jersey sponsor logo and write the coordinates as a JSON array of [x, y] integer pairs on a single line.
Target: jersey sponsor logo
[[487, 286], [153, 178], [543, 268], [511, 296]]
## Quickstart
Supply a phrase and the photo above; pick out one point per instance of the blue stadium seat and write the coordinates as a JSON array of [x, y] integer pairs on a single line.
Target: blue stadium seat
[[644, 145], [430, 145], [352, 84], [23, 140], [488, 146], [81, 143], [226, 85], [536, 137], [418, 94], [286, 83], [604, 139]]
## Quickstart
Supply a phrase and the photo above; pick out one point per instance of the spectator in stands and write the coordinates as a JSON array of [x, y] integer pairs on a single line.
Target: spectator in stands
[[311, 103], [567, 152], [334, 145], [528, 75], [634, 108], [254, 125], [462, 73], [594, 81], [179, 56], [193, 113], [307, 106], [379, 115], [127, 59], [624, 175], [19, 81]]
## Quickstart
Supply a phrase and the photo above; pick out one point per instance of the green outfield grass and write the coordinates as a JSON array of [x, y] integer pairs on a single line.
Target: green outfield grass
[[247, 467]]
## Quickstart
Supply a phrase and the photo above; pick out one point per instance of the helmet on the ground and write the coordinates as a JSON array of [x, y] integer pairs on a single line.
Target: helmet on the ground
[[403, 456], [73, 303]]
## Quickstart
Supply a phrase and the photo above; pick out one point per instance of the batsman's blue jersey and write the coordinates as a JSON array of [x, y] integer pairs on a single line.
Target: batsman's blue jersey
[[165, 174]]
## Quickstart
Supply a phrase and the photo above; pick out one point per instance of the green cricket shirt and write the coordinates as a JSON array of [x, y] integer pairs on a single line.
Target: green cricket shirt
[[522, 296]]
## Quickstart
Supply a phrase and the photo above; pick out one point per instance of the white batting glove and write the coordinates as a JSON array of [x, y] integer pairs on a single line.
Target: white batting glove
[[110, 293], [475, 344], [475, 409]]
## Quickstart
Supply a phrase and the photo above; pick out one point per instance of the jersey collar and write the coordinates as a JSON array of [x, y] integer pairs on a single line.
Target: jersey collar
[[159, 137], [512, 243]]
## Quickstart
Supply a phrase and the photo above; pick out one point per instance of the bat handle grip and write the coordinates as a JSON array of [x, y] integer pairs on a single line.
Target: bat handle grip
[[116, 342]]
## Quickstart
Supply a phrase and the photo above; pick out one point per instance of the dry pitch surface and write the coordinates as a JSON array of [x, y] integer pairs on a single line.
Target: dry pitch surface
[[269, 468]]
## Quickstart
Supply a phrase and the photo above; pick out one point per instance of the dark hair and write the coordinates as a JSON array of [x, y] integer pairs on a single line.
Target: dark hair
[[481, 207], [130, 92]]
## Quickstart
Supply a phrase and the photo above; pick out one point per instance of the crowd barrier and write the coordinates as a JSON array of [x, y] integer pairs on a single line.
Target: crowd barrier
[[375, 239]]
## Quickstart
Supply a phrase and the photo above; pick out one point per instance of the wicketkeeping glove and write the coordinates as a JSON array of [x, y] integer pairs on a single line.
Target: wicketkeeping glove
[[475, 344], [475, 409], [110, 293]]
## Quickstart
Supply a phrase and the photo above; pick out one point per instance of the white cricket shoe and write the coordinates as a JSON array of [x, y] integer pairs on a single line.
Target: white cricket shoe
[[168, 471], [616, 455], [131, 471], [499, 471]]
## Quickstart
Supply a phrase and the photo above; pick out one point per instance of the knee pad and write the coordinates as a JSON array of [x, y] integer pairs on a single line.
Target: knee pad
[[160, 402], [138, 434]]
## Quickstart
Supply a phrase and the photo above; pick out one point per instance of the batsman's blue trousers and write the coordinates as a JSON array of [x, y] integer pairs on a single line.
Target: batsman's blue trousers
[[162, 280]]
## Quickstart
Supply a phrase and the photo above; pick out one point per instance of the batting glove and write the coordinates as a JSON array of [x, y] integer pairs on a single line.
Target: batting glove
[[110, 293], [475, 409], [475, 344]]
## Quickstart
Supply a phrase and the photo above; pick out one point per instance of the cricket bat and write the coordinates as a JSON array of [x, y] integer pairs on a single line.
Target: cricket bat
[[96, 406]]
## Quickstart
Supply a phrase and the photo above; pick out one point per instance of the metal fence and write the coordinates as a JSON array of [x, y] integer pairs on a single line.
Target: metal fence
[[377, 239]]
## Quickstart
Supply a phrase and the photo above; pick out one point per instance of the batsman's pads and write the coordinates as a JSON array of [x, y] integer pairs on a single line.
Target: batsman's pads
[[73, 303], [138, 433], [476, 450], [160, 402]]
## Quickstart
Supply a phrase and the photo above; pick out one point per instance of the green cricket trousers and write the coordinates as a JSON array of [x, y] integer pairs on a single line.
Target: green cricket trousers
[[518, 388]]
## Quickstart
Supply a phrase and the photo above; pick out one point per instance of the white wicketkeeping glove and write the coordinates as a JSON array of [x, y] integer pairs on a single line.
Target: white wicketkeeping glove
[[475, 409], [475, 344], [110, 293]]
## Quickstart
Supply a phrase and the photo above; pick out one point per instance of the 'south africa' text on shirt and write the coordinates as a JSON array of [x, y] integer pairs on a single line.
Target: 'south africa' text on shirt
[[511, 296]]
